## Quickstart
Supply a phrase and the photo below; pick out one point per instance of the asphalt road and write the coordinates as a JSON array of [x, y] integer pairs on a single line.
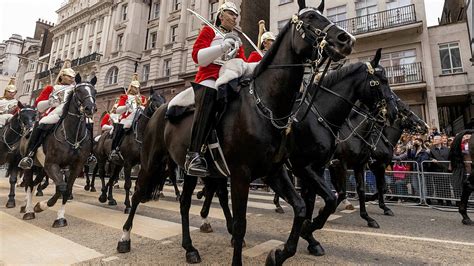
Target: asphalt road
[[415, 235]]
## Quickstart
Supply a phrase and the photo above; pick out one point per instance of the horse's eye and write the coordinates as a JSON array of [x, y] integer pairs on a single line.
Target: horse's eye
[[311, 16]]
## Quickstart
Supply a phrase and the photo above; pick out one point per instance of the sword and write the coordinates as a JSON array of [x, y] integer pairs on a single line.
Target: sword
[[203, 19]]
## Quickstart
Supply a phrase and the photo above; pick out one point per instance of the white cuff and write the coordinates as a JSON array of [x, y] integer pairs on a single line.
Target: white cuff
[[42, 106], [121, 109], [207, 55]]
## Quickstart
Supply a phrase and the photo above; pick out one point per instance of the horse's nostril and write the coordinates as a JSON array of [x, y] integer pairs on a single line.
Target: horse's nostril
[[343, 37]]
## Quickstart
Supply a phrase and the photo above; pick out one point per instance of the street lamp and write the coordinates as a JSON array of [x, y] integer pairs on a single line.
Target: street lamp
[[136, 64]]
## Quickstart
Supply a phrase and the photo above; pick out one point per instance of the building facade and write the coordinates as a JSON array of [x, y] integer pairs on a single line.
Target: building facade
[[9, 51]]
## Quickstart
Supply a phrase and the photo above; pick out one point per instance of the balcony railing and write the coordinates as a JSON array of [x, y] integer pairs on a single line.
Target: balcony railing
[[405, 74], [76, 62], [379, 21]]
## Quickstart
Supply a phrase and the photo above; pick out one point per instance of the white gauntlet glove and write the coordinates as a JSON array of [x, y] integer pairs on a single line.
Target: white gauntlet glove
[[230, 46], [54, 101]]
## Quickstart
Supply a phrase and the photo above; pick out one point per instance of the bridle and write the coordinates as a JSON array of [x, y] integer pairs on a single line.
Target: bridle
[[23, 129], [79, 103]]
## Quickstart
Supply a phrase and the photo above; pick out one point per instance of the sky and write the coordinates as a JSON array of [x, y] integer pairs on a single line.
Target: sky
[[19, 16]]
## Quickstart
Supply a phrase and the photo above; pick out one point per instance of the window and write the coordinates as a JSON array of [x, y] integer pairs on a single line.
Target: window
[[119, 42], [91, 28], [450, 58], [401, 67], [101, 24], [167, 68], [97, 47], [176, 5], [398, 58], [152, 40], [112, 76], [363, 9], [146, 72], [31, 66], [173, 33], [71, 54], [337, 13], [124, 12], [81, 31], [281, 24], [26, 86], [213, 7], [391, 4], [282, 2], [156, 10]]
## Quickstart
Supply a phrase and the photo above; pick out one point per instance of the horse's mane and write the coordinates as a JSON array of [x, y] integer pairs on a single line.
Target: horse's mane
[[335, 76], [270, 54], [66, 107]]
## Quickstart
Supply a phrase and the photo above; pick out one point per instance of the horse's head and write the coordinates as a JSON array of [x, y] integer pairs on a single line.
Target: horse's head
[[378, 82], [84, 96], [155, 101], [27, 117], [409, 121], [318, 35]]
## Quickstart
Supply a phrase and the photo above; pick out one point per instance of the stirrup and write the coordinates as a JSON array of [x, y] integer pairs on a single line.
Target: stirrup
[[115, 156], [91, 159], [26, 163], [195, 169]]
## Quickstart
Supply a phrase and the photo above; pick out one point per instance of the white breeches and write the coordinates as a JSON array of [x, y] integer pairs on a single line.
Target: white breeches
[[127, 121], [4, 118], [97, 138], [209, 83], [53, 117], [234, 68]]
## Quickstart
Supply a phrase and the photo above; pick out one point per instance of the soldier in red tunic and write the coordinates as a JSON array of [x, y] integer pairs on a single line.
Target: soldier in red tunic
[[128, 105], [210, 51], [8, 103], [265, 41]]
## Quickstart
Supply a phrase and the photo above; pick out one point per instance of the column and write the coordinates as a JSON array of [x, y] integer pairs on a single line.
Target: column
[[105, 33], [162, 25], [55, 43], [76, 48], [183, 21], [85, 40], [70, 46], [94, 41], [63, 48]]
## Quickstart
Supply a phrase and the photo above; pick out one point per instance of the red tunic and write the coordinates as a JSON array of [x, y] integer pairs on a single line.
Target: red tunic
[[106, 120], [44, 96], [204, 40], [123, 101], [254, 57]]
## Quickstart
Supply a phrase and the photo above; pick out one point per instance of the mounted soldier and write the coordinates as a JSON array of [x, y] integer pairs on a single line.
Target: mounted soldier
[[265, 41], [8, 103], [108, 121], [128, 106], [50, 104], [210, 51]]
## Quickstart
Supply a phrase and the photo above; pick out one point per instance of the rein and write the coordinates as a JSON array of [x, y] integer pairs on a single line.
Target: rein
[[18, 134]]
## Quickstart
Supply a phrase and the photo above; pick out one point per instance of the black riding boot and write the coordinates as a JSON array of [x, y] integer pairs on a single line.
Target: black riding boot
[[90, 128], [115, 155], [204, 116], [36, 139]]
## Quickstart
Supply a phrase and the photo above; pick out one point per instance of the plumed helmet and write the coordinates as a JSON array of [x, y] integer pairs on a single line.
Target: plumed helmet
[[11, 85], [268, 36], [228, 6], [134, 83], [66, 70]]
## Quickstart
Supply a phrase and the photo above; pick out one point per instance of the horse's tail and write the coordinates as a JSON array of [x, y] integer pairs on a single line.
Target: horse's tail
[[457, 158]]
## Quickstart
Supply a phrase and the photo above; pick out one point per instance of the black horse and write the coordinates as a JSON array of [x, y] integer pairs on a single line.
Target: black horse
[[250, 132], [67, 147], [131, 147], [460, 177], [375, 141], [10, 135]]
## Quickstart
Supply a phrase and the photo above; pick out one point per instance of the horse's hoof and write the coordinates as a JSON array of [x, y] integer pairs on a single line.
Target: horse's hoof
[[206, 228], [37, 208], [373, 224], [349, 207], [59, 223], [123, 246], [467, 222], [93, 189], [102, 198], [127, 210], [316, 250], [273, 258], [279, 210], [10, 204], [29, 216], [22, 209], [112, 202], [200, 194], [389, 212], [87, 187], [193, 257], [39, 193]]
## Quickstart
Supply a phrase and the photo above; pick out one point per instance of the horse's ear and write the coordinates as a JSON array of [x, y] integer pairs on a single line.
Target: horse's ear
[[78, 78], [302, 4], [20, 105], [321, 7], [376, 60], [94, 81]]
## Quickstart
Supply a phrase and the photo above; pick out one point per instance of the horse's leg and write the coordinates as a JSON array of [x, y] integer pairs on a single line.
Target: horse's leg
[[54, 172], [223, 195], [211, 188], [466, 192], [94, 174], [314, 181], [11, 195], [127, 169], [61, 220], [86, 174], [192, 254], [282, 185], [110, 185], [359, 175], [276, 201], [40, 175], [338, 174], [103, 190], [175, 185], [29, 187], [379, 171]]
